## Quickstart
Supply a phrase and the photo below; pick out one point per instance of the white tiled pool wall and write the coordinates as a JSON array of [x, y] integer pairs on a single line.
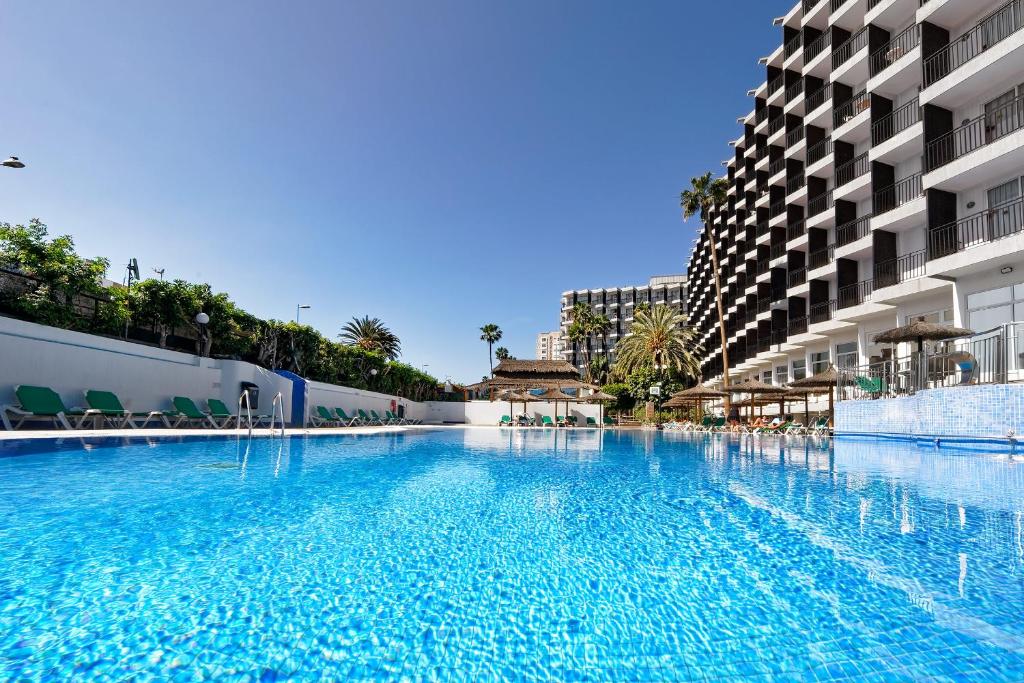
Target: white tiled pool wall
[[988, 410]]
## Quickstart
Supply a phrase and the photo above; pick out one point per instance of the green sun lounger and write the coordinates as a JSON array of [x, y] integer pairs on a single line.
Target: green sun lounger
[[367, 420], [591, 422], [186, 412], [219, 413], [43, 403], [608, 422], [545, 421], [345, 419], [114, 412], [393, 418], [321, 417]]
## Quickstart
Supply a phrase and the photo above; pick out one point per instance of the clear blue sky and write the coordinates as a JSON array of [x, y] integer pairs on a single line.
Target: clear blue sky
[[438, 164]]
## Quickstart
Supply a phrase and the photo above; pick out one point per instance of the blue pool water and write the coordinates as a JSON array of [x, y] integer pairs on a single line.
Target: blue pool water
[[509, 555]]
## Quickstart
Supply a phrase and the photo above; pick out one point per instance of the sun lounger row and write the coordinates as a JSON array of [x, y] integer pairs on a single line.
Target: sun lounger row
[[322, 417], [546, 421], [709, 423], [104, 409]]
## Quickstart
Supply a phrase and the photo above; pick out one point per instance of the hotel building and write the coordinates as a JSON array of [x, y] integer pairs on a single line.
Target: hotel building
[[617, 303], [878, 178], [549, 346]]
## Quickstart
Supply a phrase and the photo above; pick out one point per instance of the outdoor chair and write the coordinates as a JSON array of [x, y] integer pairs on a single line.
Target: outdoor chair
[[608, 422], [378, 418], [114, 412], [591, 422], [219, 413], [545, 421], [505, 421], [367, 420], [395, 420], [185, 411], [322, 417], [345, 419], [45, 404]]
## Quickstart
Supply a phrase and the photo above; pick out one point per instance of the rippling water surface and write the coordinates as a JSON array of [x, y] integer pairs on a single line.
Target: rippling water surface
[[487, 554]]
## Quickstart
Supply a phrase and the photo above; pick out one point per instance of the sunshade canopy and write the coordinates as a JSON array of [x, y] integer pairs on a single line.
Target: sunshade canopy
[[823, 380], [919, 330]]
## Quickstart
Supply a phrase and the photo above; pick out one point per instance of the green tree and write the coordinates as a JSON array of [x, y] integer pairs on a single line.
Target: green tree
[[599, 369], [371, 334], [491, 334], [703, 196], [659, 339], [59, 275], [164, 306], [501, 353], [623, 398]]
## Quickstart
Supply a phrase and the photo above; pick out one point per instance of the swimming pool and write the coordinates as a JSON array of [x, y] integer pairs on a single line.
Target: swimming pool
[[486, 554]]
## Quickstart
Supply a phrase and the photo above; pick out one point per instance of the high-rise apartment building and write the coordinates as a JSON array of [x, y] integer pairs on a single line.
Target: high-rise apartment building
[[549, 346], [879, 178], [617, 304]]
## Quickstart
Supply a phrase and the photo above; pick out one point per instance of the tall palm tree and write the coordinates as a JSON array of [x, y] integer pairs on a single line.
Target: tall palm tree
[[491, 334], [658, 338], [372, 335], [501, 353], [704, 195]]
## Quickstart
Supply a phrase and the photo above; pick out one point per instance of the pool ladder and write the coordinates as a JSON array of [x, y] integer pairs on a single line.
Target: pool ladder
[[277, 409]]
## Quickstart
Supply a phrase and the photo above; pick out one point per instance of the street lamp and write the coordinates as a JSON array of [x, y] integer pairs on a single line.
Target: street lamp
[[298, 309], [202, 320], [13, 162]]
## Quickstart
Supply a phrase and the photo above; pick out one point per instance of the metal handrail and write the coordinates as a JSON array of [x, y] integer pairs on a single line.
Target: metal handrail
[[975, 134], [244, 398], [278, 406], [991, 30], [896, 121], [895, 49]]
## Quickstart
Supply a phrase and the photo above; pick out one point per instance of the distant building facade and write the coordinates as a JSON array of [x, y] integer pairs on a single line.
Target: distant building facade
[[549, 346], [618, 304]]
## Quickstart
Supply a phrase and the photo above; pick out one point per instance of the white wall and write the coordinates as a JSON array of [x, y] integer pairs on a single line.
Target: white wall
[[489, 412], [351, 400]]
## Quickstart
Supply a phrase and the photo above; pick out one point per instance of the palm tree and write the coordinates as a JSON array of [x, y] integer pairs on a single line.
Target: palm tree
[[491, 334], [704, 195], [501, 353], [599, 370], [658, 338], [371, 334]]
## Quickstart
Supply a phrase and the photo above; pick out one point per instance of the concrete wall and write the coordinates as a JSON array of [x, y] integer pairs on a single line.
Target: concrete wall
[[987, 410], [146, 378]]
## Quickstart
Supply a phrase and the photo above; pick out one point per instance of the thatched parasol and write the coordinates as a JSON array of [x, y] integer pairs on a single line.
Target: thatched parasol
[[826, 379], [801, 395], [600, 398], [920, 330], [696, 394], [752, 387], [555, 394]]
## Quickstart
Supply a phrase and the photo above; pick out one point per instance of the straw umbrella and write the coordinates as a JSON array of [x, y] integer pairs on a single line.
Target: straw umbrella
[[697, 394], [555, 394], [919, 330], [826, 379], [753, 387], [600, 398]]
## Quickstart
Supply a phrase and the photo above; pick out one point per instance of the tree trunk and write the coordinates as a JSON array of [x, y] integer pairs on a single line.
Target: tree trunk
[[721, 314], [490, 357]]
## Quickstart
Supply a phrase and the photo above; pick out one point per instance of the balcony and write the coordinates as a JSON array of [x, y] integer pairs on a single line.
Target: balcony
[[895, 122], [988, 33], [817, 47], [895, 67], [978, 133], [899, 193], [763, 228], [776, 167], [777, 209], [854, 295], [791, 47], [762, 266], [764, 304], [777, 251], [795, 136], [852, 169], [760, 116], [822, 312], [821, 258], [978, 228], [816, 109], [849, 233], [776, 125], [776, 84], [794, 91], [820, 204], [797, 277], [796, 230], [797, 326], [847, 58], [819, 151], [846, 115], [901, 269], [795, 183]]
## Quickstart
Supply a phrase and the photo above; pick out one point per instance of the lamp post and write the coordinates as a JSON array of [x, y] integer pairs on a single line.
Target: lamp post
[[298, 309], [202, 320], [13, 162]]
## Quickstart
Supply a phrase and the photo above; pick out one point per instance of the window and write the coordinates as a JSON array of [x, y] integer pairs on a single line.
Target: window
[[994, 307], [819, 362], [781, 375], [766, 376], [846, 355], [1004, 210], [799, 369]]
